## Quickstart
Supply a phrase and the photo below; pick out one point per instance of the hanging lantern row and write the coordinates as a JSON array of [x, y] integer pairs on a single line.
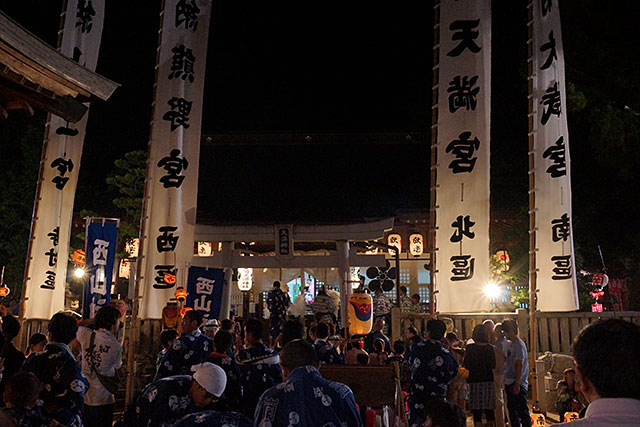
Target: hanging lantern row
[[416, 243]]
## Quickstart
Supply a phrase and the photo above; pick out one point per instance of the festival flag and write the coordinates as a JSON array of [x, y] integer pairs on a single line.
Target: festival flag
[[46, 276], [171, 187], [555, 262], [461, 119], [100, 256], [204, 287]]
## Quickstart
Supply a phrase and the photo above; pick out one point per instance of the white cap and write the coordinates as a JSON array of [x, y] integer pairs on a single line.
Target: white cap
[[211, 324], [211, 377]]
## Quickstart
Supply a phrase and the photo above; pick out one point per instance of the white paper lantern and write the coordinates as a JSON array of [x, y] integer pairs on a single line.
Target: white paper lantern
[[416, 244], [245, 278], [394, 240], [204, 249]]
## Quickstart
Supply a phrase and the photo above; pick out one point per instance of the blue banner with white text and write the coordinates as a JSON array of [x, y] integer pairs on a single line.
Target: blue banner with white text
[[100, 256], [204, 287]]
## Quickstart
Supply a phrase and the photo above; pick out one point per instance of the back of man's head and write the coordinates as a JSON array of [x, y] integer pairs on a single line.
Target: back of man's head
[[10, 327], [292, 330], [436, 329], [222, 341], [442, 413], [226, 325], [398, 347], [193, 315], [276, 284], [607, 353], [298, 353], [167, 336], [62, 328], [21, 390], [323, 330], [509, 326], [107, 317], [255, 328]]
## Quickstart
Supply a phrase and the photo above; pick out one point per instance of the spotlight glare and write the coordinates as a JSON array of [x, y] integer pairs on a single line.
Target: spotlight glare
[[491, 290], [78, 273]]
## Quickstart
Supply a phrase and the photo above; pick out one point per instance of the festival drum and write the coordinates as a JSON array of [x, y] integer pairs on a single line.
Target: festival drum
[[360, 313]]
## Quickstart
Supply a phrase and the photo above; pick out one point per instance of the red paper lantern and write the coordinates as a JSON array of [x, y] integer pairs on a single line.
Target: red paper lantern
[[181, 294], [170, 316], [184, 311], [4, 291]]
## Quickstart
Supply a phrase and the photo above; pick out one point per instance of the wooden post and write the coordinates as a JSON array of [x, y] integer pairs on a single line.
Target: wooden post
[[532, 209], [227, 253], [434, 160], [345, 286]]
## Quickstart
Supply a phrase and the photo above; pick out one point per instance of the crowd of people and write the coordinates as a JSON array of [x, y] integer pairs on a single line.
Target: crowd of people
[[219, 373]]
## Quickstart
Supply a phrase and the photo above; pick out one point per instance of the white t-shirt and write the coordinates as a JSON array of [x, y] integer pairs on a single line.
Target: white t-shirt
[[107, 356]]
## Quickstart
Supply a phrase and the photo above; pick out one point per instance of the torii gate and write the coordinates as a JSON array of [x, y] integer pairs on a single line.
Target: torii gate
[[285, 237]]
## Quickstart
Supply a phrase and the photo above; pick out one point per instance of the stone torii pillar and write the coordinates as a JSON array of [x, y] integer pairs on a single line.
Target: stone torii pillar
[[345, 285]]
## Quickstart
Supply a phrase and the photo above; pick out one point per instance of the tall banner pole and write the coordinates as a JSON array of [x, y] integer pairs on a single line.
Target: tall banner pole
[[533, 341], [434, 160], [45, 277]]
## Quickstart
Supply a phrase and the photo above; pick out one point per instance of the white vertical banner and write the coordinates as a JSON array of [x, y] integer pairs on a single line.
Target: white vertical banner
[[171, 188], [462, 167], [59, 167], [555, 261]]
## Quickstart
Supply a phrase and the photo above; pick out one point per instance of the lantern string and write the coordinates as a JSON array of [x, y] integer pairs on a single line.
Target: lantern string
[[604, 267]]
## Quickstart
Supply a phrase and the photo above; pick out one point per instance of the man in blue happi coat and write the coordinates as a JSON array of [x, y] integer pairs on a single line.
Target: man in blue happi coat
[[278, 303], [259, 367], [166, 400], [220, 357], [64, 384], [306, 398], [432, 369], [214, 419], [190, 349], [325, 351]]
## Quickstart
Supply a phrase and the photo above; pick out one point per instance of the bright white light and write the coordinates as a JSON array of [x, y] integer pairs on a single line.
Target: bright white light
[[491, 290], [78, 273]]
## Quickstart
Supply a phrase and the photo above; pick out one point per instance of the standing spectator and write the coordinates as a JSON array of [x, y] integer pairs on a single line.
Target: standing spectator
[[480, 361], [64, 385], [376, 333], [13, 358], [490, 326], [101, 354], [37, 342], [21, 392], [324, 307], [228, 325], [258, 366], [567, 390], [501, 347], [306, 398], [277, 302], [192, 348], [325, 352], [516, 376], [378, 356], [406, 305], [352, 354], [210, 328], [458, 390], [432, 369], [165, 400], [381, 306], [167, 337], [607, 355], [415, 300], [220, 357], [398, 356]]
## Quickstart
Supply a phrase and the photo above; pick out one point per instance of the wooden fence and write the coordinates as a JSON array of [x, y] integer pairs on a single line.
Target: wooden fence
[[556, 331]]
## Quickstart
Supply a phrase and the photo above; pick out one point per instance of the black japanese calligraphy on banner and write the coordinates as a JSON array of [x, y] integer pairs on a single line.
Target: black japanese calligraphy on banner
[[85, 15], [463, 151], [463, 93], [205, 287], [551, 170], [52, 260], [63, 166], [173, 165], [167, 239], [182, 63]]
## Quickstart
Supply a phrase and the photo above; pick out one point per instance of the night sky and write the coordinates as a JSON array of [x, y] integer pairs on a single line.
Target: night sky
[[286, 67]]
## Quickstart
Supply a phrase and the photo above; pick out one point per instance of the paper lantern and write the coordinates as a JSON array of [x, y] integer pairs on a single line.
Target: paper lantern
[[245, 278], [416, 244], [181, 294], [205, 248], [78, 257], [131, 248], [360, 313], [537, 420], [184, 311], [394, 240], [571, 416], [170, 316], [600, 280], [4, 291]]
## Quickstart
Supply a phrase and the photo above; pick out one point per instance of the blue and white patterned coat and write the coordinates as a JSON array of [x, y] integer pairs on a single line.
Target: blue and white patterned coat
[[432, 369], [64, 384], [307, 399], [161, 403], [214, 419], [188, 350], [327, 353], [260, 370]]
